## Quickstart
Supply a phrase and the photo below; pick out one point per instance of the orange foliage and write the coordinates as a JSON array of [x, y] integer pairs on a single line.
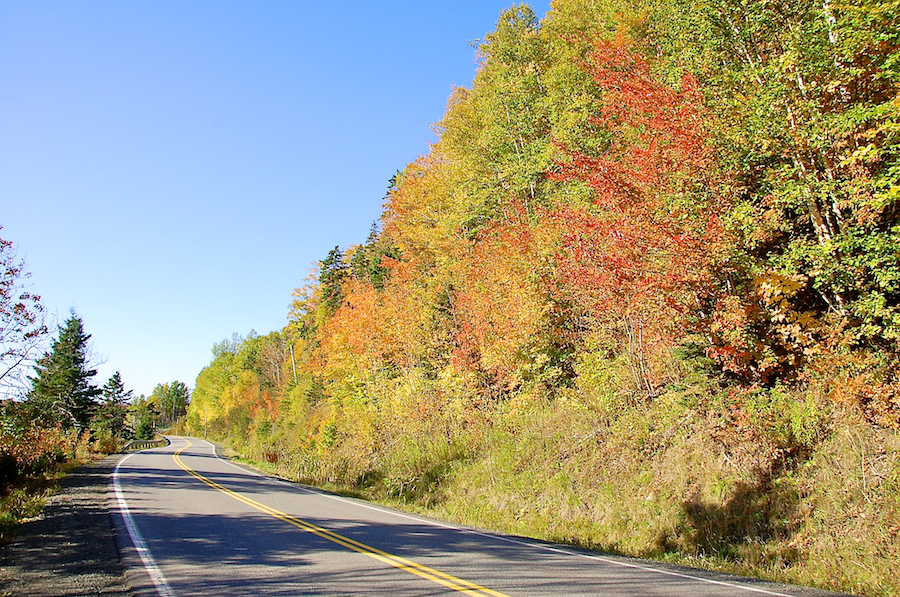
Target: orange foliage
[[265, 406], [373, 329], [501, 301], [761, 336], [350, 338], [640, 261], [30, 449]]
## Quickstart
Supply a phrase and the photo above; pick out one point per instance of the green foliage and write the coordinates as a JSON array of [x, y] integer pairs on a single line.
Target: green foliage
[[20, 504], [367, 261], [110, 416], [144, 416], [806, 97], [27, 448], [171, 400], [62, 391], [31, 458], [603, 382], [59, 417], [632, 298], [332, 273]]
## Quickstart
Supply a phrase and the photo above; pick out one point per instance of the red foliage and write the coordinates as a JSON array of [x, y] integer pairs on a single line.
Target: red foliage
[[657, 131], [641, 257], [266, 405]]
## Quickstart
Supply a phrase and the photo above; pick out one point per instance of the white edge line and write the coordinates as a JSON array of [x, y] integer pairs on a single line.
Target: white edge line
[[508, 539], [156, 575]]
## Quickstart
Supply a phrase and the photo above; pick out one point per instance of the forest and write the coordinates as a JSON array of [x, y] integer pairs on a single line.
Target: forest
[[641, 295]]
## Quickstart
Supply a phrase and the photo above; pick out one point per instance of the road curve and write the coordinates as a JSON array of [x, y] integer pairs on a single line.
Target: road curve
[[190, 523]]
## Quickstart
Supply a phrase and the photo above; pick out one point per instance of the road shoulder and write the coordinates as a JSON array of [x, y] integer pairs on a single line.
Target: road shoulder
[[71, 548]]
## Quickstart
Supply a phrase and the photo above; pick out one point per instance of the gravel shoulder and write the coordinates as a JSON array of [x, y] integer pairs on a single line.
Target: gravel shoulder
[[70, 550]]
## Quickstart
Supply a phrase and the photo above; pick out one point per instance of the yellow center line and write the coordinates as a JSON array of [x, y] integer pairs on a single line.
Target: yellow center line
[[436, 576]]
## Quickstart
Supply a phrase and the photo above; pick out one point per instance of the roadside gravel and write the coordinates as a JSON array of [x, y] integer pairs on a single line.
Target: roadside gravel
[[70, 550]]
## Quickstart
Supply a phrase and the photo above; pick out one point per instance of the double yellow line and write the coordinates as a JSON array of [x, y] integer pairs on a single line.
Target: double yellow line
[[436, 576]]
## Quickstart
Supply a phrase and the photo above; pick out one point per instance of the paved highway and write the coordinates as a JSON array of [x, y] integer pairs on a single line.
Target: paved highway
[[190, 523]]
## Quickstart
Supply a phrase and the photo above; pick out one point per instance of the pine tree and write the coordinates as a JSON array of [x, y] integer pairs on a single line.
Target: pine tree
[[61, 390], [144, 416]]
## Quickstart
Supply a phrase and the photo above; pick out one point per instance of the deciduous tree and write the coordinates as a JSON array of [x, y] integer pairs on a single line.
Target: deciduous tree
[[640, 259], [22, 326], [171, 399]]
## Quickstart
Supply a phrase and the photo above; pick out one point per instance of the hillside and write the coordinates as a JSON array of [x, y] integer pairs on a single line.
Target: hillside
[[641, 295]]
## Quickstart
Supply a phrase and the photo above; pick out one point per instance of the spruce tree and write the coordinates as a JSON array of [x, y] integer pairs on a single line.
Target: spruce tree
[[332, 273], [114, 390], [61, 390], [112, 413]]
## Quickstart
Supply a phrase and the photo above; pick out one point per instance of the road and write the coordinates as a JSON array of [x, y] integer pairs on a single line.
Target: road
[[191, 523]]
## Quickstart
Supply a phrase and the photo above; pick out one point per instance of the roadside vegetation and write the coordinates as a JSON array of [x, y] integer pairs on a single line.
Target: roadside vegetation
[[641, 295], [53, 416]]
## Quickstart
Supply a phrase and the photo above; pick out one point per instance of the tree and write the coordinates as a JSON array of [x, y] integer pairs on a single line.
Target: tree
[[213, 381], [641, 260], [114, 390], [367, 261], [22, 326], [171, 399], [62, 391], [111, 414], [509, 104], [806, 97], [332, 274], [507, 316], [144, 415]]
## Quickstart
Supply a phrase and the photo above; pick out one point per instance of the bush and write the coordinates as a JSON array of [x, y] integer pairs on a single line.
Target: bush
[[106, 443]]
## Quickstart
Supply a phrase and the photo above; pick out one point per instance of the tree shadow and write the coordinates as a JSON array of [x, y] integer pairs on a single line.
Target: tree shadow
[[754, 514]]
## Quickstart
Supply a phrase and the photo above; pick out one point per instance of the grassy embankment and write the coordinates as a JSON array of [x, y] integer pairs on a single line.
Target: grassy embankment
[[805, 492]]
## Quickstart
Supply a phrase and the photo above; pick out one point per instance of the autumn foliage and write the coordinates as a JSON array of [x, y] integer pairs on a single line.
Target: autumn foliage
[[652, 241], [641, 260]]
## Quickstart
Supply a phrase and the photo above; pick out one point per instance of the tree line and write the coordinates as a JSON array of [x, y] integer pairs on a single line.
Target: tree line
[[627, 183], [648, 228], [53, 410]]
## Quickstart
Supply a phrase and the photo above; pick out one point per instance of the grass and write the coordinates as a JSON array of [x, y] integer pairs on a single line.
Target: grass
[[25, 498], [23, 501], [770, 491]]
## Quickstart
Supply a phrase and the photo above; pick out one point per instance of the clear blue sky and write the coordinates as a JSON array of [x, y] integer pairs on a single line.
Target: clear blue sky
[[171, 169]]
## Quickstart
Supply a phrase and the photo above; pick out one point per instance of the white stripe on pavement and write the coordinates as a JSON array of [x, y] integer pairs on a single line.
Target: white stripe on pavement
[[156, 575]]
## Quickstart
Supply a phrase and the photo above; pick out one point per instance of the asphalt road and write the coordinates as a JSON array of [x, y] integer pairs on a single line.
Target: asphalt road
[[190, 523]]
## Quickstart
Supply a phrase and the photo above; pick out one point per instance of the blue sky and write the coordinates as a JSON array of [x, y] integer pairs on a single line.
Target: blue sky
[[172, 169]]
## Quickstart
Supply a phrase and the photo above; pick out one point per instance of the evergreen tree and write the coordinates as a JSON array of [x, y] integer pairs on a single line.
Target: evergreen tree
[[114, 390], [111, 413], [144, 416], [331, 279], [366, 262], [62, 390]]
